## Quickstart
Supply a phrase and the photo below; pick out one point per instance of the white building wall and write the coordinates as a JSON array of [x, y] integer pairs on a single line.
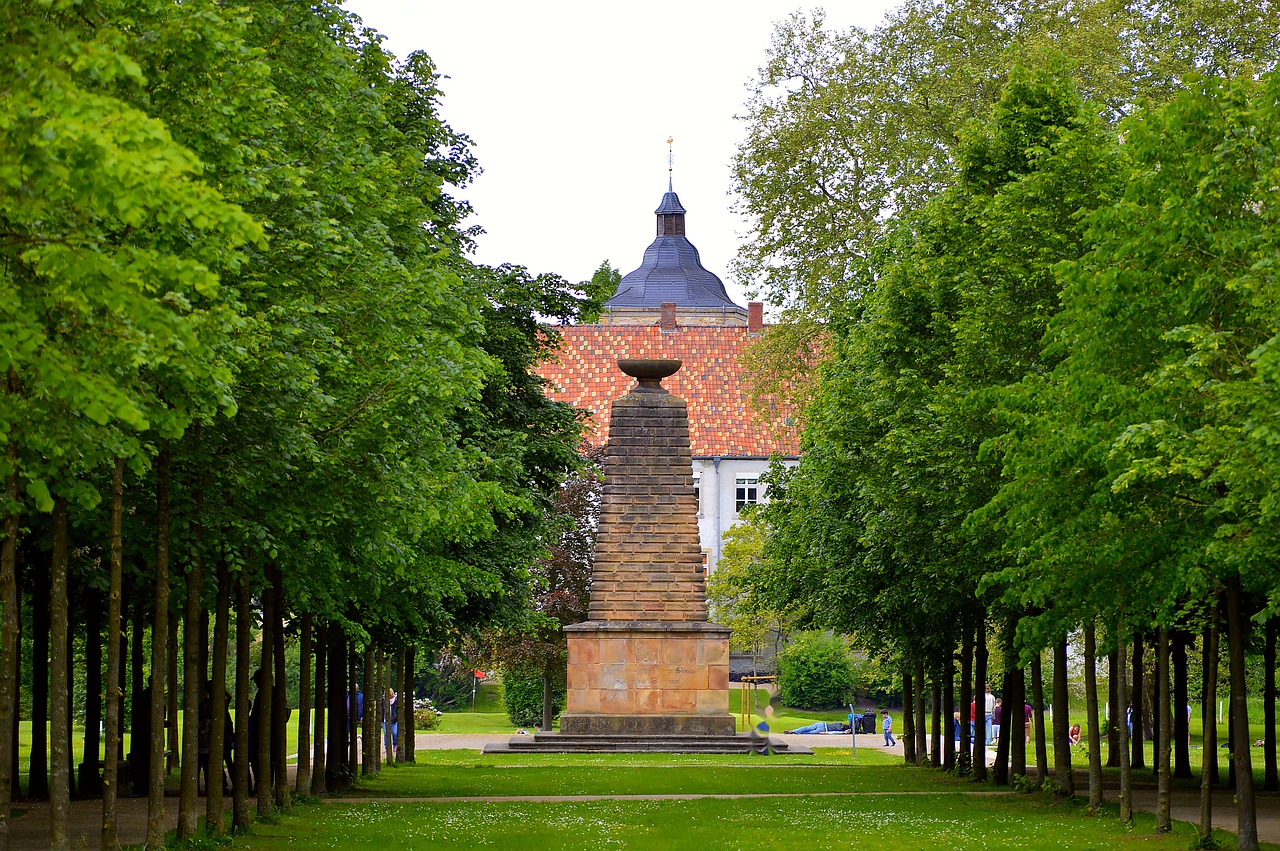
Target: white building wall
[[717, 480]]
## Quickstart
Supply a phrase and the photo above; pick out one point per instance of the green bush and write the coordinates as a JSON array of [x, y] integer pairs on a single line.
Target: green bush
[[815, 672], [522, 693], [425, 715]]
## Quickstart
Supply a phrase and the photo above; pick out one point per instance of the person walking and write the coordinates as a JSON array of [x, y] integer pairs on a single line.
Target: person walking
[[887, 725]]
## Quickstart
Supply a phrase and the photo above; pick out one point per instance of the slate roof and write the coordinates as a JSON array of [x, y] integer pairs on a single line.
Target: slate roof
[[721, 419], [671, 271]]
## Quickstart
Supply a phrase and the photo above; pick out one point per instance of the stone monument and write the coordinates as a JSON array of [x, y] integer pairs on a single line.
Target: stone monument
[[648, 662], [647, 672]]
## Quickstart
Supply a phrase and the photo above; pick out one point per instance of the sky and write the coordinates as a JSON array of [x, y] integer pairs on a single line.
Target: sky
[[569, 104]]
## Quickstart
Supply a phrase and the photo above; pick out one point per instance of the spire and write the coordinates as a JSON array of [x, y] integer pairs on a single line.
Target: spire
[[670, 163]]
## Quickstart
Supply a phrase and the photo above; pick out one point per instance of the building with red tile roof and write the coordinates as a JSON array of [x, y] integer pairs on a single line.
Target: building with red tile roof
[[672, 307]]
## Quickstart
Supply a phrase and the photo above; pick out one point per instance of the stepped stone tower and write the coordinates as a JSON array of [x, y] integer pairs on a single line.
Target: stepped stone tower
[[648, 662]]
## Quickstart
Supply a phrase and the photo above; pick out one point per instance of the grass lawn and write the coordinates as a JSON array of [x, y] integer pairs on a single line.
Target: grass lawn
[[461, 774], [898, 808]]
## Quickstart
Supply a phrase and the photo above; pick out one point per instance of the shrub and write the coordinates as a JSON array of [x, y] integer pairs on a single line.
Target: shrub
[[425, 714], [522, 693], [815, 672]]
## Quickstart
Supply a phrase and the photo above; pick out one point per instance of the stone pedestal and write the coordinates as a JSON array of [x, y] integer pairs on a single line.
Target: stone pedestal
[[654, 678]]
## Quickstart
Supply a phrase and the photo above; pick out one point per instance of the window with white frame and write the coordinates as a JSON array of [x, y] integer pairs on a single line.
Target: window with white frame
[[747, 493], [697, 491]]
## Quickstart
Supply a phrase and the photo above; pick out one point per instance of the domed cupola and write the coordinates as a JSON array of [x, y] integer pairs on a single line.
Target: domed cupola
[[671, 270]]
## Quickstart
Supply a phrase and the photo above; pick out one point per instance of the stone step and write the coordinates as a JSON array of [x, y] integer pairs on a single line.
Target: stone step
[[582, 743]]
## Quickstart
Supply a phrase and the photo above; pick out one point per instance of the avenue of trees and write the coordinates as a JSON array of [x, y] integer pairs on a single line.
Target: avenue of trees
[[251, 384], [1033, 247]]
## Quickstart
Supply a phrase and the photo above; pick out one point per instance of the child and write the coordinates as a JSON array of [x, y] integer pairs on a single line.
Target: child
[[887, 726]]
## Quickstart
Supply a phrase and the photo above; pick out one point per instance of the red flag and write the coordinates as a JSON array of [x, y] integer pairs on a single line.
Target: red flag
[[479, 675]]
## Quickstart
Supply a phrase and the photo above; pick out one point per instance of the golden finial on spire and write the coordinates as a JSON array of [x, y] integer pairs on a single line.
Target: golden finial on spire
[[670, 162]]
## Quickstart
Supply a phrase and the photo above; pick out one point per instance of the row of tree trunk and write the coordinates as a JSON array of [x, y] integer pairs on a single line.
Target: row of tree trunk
[[256, 766], [1157, 700]]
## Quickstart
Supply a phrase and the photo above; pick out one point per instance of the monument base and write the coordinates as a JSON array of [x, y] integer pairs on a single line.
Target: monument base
[[592, 724], [648, 678], [744, 743]]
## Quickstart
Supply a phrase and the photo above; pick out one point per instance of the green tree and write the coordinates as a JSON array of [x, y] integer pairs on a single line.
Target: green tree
[[1153, 425], [731, 591], [848, 130]]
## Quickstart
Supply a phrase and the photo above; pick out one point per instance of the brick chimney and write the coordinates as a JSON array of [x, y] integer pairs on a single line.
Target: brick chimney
[[668, 318], [755, 317]]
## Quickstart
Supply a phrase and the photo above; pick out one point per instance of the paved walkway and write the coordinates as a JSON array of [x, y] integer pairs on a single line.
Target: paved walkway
[[30, 828]]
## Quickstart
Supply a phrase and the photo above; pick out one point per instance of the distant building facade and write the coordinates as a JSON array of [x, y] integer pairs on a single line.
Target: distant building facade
[[672, 307]]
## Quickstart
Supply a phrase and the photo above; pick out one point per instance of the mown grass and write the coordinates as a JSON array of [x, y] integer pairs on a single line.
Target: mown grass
[[467, 774], [809, 802], [889, 823]]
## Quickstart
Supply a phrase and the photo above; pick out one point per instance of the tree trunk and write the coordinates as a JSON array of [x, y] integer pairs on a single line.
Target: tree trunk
[[1231, 734], [139, 700], [1209, 756], [1180, 706], [159, 646], [384, 667], [38, 773], [240, 811], [1126, 772], [202, 640], [70, 669], [378, 707], [1164, 787], [1062, 722], [1115, 709], [218, 732], [1003, 715], [979, 750], [279, 698], [1037, 718], [60, 785], [193, 680], [548, 696], [1209, 725], [302, 781], [948, 713], [14, 773], [1015, 696], [1091, 712], [90, 784], [261, 712], [935, 721], [9, 621], [908, 714], [1138, 757], [173, 752], [115, 657], [1271, 780], [1247, 814], [1158, 720], [405, 702], [336, 769], [408, 735], [368, 737], [921, 733], [349, 707], [964, 761], [319, 699]]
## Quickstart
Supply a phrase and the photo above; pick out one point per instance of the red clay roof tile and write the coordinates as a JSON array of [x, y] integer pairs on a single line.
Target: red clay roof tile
[[721, 418]]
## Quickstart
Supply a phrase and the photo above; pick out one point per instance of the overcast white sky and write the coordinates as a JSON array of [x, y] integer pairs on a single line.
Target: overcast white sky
[[570, 103]]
